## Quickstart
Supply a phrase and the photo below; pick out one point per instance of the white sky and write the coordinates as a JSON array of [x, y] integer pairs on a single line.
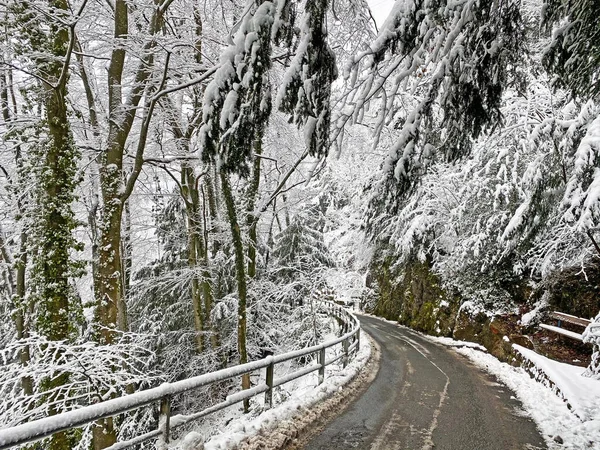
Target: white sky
[[380, 9]]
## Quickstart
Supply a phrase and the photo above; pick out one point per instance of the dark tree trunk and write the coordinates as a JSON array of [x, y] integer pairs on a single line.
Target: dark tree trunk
[[240, 271], [251, 219]]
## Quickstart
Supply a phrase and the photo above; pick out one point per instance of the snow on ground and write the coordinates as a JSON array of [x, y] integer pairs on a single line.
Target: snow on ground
[[305, 394], [449, 342], [581, 393]]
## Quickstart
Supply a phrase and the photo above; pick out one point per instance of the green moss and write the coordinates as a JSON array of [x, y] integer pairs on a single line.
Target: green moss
[[424, 319], [413, 295]]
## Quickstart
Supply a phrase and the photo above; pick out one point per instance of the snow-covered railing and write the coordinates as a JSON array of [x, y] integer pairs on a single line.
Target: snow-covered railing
[[573, 320], [39, 429], [562, 331], [562, 317]]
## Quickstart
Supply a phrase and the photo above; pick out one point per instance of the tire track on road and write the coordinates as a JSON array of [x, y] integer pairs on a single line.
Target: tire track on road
[[426, 396]]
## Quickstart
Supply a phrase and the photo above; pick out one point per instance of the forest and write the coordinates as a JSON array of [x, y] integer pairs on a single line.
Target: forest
[[179, 179]]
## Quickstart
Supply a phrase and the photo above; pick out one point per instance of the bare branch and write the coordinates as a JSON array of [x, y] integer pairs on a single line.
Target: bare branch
[[187, 84], [171, 159], [596, 245], [281, 185], [62, 79], [139, 155], [88, 55], [27, 72]]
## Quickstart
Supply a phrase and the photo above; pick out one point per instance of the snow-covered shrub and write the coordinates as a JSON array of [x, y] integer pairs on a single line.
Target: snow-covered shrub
[[592, 336], [503, 215], [93, 373]]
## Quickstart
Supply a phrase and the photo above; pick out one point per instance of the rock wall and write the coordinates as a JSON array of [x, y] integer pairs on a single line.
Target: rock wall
[[413, 296], [496, 334]]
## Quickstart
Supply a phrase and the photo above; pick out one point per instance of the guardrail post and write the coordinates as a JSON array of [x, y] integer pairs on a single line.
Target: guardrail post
[[321, 361], [345, 347], [165, 413], [269, 380], [357, 340]]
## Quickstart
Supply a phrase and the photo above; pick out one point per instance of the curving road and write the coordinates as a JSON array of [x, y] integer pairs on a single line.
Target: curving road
[[426, 396]]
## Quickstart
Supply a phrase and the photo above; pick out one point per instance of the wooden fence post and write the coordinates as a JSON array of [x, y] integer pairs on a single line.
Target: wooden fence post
[[269, 380], [165, 413]]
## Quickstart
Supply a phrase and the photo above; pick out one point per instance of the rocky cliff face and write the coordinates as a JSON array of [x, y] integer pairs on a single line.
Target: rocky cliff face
[[414, 296]]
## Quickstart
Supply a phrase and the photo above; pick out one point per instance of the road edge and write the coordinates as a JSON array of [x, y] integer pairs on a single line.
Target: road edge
[[311, 418]]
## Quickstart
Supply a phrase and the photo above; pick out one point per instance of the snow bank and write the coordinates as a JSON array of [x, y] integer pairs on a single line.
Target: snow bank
[[551, 413], [449, 342], [575, 417], [581, 394]]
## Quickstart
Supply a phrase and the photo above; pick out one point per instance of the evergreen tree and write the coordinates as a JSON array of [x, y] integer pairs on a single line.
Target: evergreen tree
[[237, 102], [160, 303], [237, 106], [300, 248], [306, 89], [438, 71], [574, 56], [574, 51]]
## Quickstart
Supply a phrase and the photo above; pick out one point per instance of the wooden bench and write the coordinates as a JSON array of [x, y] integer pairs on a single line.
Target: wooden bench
[[562, 317]]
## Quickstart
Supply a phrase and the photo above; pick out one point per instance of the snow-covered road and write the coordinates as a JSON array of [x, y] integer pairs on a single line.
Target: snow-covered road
[[426, 396]]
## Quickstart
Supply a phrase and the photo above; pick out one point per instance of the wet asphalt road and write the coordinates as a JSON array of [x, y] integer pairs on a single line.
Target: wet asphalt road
[[426, 396]]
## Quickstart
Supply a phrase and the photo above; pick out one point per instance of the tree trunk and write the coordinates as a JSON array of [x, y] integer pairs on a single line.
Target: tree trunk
[[55, 222], [197, 235], [210, 216], [53, 259], [126, 255], [107, 284], [110, 302], [207, 289], [241, 278], [270, 240], [20, 265], [22, 310], [94, 191], [195, 246], [251, 219]]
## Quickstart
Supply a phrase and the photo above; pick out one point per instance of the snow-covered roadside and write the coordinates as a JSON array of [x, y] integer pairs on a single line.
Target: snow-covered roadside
[[562, 427], [553, 417], [581, 393], [305, 396]]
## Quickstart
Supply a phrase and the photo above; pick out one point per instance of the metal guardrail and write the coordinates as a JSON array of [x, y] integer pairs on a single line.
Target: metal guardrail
[[41, 428]]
